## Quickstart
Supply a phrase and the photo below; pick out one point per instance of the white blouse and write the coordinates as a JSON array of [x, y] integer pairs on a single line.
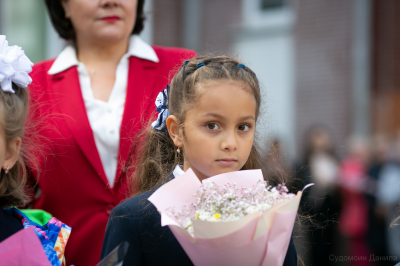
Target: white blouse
[[105, 117], [178, 171]]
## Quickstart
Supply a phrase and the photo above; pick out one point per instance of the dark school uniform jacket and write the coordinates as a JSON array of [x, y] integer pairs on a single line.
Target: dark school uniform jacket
[[137, 221], [9, 225]]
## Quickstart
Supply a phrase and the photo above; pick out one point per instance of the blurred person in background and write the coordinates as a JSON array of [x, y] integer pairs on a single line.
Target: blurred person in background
[[377, 227], [388, 196], [353, 219], [93, 97], [321, 201]]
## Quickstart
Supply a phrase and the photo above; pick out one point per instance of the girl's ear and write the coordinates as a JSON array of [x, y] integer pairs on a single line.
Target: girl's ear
[[174, 131], [12, 153]]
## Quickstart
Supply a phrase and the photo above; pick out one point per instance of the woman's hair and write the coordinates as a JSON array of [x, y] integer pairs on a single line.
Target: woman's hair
[[156, 153], [13, 111], [64, 26]]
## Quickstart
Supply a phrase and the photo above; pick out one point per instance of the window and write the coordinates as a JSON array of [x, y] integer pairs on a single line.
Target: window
[[269, 4]]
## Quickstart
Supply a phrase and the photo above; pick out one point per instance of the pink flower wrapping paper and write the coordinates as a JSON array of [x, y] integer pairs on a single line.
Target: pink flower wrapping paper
[[23, 248], [260, 238]]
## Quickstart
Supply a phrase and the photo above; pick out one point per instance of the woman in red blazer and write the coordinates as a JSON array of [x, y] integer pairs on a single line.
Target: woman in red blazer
[[106, 81]]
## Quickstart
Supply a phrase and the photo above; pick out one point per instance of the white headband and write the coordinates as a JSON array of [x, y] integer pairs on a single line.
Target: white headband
[[14, 66]]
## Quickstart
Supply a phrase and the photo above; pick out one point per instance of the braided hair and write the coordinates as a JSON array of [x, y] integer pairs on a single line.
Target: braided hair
[[157, 155]]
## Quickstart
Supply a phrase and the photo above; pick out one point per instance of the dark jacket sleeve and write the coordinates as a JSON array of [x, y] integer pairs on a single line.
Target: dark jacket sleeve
[[291, 255], [138, 222], [9, 225], [124, 225]]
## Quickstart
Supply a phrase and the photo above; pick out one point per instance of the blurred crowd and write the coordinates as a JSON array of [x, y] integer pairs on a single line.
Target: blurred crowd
[[349, 214]]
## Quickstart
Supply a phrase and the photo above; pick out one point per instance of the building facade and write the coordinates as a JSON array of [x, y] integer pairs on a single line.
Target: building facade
[[332, 62]]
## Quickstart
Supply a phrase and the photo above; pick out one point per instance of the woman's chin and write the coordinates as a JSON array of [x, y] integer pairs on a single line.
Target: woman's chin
[[110, 36]]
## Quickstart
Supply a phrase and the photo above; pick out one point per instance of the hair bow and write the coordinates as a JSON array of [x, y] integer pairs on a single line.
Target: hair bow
[[14, 66], [162, 109]]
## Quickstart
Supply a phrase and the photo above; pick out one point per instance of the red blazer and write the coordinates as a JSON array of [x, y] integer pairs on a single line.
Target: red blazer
[[73, 184]]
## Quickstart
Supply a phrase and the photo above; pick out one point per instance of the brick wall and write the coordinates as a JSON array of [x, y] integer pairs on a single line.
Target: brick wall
[[168, 20], [217, 19], [323, 68]]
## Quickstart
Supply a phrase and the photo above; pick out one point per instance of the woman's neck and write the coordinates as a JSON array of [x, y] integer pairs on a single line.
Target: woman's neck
[[101, 61], [96, 53]]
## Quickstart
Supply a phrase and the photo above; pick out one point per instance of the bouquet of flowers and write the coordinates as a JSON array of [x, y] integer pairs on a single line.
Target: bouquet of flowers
[[229, 219]]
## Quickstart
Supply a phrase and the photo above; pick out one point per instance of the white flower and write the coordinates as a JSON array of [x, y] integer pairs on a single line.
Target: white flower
[[204, 215], [265, 206], [253, 209], [14, 66], [187, 223]]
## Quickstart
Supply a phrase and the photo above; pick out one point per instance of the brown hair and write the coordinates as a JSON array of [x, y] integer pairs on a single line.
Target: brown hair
[[156, 155], [13, 111], [64, 26]]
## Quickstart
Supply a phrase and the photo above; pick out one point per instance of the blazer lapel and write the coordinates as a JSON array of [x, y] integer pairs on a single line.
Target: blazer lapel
[[142, 89], [67, 88]]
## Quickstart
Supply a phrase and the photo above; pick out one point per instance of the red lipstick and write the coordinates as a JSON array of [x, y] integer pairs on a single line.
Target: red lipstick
[[110, 19]]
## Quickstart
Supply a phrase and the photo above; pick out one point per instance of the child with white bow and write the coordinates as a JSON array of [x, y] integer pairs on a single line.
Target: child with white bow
[[14, 98]]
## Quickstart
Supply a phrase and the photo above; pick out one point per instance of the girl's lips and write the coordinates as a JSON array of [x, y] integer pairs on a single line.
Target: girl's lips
[[110, 19], [226, 162]]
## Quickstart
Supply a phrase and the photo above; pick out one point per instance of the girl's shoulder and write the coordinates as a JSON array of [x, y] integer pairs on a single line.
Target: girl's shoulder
[[137, 221], [8, 225], [137, 207], [132, 206]]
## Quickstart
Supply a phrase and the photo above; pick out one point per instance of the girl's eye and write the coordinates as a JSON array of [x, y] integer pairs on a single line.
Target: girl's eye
[[212, 126], [243, 127]]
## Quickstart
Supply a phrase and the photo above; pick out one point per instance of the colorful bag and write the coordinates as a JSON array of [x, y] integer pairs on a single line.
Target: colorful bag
[[53, 235]]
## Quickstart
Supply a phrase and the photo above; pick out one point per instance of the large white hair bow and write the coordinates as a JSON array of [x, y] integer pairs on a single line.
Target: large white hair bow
[[161, 103], [14, 66]]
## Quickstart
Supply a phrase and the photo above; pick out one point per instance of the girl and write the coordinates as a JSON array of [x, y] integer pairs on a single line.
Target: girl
[[14, 66], [13, 109], [207, 122]]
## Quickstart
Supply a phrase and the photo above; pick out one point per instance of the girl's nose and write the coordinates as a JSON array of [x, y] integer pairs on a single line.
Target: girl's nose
[[229, 143]]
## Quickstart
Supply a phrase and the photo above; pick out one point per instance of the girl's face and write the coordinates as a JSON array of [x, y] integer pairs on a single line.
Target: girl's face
[[219, 129], [8, 153], [104, 20], [2, 150]]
